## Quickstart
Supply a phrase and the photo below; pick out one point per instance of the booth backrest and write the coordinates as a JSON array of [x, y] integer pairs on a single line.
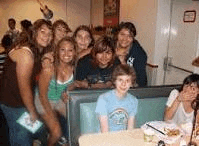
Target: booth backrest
[[83, 120]]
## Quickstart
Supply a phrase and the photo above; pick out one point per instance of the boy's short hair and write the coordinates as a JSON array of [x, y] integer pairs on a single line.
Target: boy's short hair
[[124, 69]]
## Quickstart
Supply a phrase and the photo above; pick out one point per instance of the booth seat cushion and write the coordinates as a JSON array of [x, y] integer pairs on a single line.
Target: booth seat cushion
[[150, 109], [89, 122]]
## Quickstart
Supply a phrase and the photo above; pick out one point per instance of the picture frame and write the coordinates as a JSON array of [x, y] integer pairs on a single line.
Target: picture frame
[[111, 12], [189, 16]]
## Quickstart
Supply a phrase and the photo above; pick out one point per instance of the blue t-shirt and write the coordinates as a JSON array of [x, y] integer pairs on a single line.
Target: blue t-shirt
[[117, 110]]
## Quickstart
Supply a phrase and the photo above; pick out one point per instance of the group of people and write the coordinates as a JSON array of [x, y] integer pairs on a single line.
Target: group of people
[[45, 61]]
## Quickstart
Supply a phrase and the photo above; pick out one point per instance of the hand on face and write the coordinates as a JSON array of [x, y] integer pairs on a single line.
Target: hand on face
[[189, 92]]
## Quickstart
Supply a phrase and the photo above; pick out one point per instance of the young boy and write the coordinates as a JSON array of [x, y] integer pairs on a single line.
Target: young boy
[[116, 109]]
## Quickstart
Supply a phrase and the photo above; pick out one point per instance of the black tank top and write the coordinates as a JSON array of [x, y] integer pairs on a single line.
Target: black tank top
[[9, 89]]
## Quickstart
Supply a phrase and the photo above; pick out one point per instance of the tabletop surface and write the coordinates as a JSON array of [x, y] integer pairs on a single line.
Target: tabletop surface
[[124, 138]]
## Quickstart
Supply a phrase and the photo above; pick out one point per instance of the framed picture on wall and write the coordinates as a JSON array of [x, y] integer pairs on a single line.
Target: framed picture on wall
[[111, 12], [189, 16]]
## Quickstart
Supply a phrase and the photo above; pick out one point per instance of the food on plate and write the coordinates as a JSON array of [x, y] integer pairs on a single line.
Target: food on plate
[[172, 132]]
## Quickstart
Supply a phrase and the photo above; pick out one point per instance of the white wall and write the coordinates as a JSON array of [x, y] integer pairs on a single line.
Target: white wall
[[78, 12], [74, 12], [97, 12], [28, 9]]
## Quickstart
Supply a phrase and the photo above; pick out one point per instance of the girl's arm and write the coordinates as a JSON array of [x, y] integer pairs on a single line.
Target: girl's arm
[[44, 80], [84, 53], [101, 85], [103, 123], [170, 111], [78, 84], [131, 123], [24, 68]]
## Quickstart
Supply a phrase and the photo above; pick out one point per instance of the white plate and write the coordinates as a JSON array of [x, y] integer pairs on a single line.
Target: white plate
[[161, 125]]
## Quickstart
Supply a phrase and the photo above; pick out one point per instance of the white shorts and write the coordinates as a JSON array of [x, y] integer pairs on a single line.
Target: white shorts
[[57, 105]]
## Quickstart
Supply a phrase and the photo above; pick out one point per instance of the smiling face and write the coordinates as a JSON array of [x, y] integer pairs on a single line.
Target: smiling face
[[44, 36], [122, 84], [60, 32], [66, 52], [83, 39], [125, 38], [103, 59]]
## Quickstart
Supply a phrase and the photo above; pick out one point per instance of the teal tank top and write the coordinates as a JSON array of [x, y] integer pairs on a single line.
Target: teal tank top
[[55, 89]]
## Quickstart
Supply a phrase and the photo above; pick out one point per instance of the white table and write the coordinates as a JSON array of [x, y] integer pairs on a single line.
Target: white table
[[121, 138]]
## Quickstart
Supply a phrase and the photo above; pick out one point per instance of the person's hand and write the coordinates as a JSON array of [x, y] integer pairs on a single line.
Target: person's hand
[[102, 85], [122, 59], [187, 96], [121, 54], [47, 60], [65, 97], [46, 63], [81, 84], [34, 116], [78, 84]]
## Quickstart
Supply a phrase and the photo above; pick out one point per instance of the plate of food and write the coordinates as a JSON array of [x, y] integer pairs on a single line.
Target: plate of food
[[168, 132]]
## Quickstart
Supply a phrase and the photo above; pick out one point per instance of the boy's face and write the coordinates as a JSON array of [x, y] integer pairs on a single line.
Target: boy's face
[[123, 83], [104, 58]]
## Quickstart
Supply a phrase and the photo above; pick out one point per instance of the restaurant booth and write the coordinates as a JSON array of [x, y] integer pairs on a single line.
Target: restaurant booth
[[82, 116]]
